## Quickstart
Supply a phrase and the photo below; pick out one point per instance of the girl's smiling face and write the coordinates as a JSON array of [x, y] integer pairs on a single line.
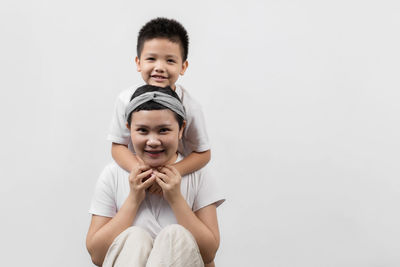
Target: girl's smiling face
[[155, 136]]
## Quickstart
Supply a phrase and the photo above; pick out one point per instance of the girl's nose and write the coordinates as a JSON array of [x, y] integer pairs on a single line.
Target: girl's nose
[[153, 141]]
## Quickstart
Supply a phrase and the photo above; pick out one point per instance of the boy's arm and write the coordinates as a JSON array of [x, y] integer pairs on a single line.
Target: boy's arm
[[193, 162], [124, 157]]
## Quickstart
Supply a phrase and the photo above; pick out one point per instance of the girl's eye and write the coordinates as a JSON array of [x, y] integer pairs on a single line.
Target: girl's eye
[[141, 130], [164, 130]]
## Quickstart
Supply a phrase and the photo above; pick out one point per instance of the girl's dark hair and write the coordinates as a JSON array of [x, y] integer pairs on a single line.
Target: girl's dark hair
[[151, 105], [164, 28]]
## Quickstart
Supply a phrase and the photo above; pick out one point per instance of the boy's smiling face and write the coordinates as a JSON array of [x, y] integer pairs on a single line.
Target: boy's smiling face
[[160, 62]]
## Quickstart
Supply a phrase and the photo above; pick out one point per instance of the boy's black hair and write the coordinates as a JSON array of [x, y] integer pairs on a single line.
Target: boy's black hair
[[164, 28], [151, 105]]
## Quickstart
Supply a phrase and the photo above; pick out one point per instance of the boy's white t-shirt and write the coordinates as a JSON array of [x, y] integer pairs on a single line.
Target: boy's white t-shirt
[[198, 188], [195, 136]]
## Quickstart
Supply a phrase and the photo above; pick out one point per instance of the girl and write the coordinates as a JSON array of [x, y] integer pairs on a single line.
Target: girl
[[130, 226]]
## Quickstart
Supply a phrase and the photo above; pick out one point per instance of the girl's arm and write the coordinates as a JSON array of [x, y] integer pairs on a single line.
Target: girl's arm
[[124, 157], [103, 230], [203, 224], [193, 162]]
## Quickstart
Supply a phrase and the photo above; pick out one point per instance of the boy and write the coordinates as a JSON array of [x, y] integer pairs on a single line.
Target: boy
[[162, 50]]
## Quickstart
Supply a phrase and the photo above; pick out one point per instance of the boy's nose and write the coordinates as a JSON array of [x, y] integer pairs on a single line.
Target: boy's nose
[[159, 66]]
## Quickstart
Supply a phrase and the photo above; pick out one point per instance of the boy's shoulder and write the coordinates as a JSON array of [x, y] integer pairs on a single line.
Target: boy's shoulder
[[186, 98], [126, 94]]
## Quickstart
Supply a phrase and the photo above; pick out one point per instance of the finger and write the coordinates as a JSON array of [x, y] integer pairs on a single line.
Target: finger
[[153, 188], [143, 167], [174, 170], [162, 176], [161, 183], [148, 182], [139, 169], [150, 189], [166, 170], [140, 177]]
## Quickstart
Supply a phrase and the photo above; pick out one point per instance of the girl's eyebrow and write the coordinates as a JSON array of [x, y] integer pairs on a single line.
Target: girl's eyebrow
[[158, 126], [164, 125], [141, 125]]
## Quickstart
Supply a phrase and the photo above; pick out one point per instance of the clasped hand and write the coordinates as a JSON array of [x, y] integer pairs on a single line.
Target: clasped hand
[[164, 181]]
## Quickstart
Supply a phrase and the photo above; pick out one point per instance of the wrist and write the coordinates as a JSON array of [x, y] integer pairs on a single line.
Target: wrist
[[176, 200], [134, 200]]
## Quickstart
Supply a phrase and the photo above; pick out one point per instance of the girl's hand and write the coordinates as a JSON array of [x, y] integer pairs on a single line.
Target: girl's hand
[[141, 178], [155, 189], [169, 179]]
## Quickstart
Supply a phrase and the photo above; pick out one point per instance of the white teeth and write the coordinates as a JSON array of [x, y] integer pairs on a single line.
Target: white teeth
[[153, 152]]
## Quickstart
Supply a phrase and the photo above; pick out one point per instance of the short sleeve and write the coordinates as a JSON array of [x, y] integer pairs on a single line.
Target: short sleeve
[[195, 136], [207, 190], [104, 202], [118, 132]]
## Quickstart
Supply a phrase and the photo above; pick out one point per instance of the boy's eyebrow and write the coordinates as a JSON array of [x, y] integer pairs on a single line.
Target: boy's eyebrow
[[172, 55], [155, 54]]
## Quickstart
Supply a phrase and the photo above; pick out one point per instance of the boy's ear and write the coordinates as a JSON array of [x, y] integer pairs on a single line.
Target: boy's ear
[[137, 60], [184, 67], [181, 130], [127, 126]]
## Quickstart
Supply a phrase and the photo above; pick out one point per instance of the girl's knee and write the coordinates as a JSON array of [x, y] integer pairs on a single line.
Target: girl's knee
[[136, 233], [174, 229], [177, 233]]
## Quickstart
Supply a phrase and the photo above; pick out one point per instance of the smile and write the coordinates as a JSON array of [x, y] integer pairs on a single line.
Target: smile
[[154, 153], [158, 77]]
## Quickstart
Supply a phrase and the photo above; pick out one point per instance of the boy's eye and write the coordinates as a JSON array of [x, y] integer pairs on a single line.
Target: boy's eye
[[150, 58], [171, 61]]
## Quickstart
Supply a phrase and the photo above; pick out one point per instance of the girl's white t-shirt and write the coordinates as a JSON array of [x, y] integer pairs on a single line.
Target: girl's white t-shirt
[[198, 188]]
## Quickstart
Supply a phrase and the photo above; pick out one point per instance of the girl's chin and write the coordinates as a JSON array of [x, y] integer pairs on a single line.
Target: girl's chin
[[154, 163], [158, 162]]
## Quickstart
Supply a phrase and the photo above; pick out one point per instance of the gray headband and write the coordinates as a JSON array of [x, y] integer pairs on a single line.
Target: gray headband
[[161, 98]]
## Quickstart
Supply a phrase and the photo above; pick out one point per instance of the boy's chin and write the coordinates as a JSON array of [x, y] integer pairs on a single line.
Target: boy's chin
[[161, 84]]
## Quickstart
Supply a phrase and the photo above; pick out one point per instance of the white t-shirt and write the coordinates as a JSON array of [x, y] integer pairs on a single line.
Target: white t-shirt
[[198, 188], [195, 136]]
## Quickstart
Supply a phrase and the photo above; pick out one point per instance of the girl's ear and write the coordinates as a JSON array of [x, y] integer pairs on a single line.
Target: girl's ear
[[181, 130]]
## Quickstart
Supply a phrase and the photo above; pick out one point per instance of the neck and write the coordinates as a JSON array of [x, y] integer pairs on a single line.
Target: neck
[[172, 160]]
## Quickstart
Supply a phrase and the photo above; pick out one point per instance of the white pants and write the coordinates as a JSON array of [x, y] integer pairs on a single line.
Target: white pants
[[174, 246]]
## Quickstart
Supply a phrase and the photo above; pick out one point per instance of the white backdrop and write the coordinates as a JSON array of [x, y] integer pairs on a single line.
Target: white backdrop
[[302, 106]]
